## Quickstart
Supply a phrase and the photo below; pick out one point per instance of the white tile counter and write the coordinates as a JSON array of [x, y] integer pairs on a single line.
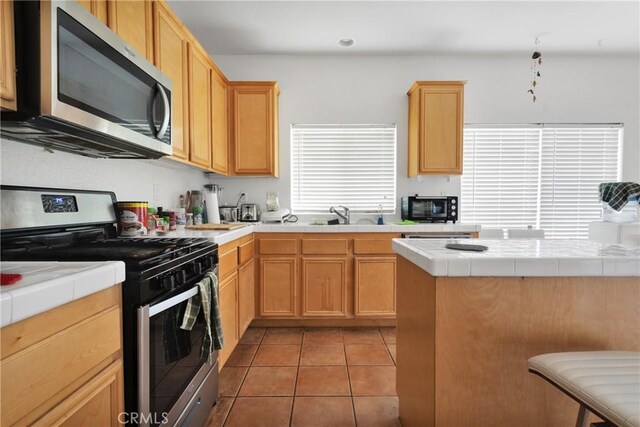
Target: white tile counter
[[517, 257], [46, 285], [222, 236]]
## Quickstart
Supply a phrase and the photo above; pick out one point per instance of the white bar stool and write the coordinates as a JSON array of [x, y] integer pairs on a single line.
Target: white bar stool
[[606, 383]]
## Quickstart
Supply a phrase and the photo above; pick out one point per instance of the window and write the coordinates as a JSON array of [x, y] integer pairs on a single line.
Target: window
[[545, 175], [350, 165]]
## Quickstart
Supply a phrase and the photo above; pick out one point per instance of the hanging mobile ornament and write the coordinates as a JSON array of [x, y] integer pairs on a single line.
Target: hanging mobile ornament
[[536, 63]]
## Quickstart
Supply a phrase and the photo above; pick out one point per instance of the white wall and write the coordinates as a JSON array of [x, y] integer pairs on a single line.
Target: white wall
[[22, 164], [372, 89]]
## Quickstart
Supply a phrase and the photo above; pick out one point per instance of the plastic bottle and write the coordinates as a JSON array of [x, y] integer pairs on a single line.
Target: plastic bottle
[[380, 219]]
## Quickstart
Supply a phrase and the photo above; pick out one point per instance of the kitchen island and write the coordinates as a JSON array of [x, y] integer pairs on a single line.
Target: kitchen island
[[467, 323]]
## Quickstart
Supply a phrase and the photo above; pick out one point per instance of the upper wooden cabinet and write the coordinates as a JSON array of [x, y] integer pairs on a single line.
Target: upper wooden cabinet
[[98, 8], [199, 108], [435, 128], [254, 127], [170, 56], [132, 20], [219, 123], [8, 96]]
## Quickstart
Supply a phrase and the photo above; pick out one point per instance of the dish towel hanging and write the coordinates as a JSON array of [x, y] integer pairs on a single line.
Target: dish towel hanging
[[617, 194], [208, 301]]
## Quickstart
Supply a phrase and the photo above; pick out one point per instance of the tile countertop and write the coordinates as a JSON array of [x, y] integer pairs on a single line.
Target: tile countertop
[[221, 237], [519, 257], [46, 285]]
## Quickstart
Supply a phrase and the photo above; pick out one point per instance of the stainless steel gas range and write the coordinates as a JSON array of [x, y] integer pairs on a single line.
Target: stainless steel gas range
[[168, 380]]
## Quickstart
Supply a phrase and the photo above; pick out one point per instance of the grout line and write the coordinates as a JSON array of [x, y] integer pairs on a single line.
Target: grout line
[[346, 363], [295, 384]]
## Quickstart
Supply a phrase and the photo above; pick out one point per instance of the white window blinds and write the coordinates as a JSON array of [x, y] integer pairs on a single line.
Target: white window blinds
[[350, 165], [574, 161], [545, 176]]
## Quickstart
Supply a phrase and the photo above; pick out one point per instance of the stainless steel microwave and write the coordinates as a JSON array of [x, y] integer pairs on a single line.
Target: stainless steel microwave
[[430, 209], [82, 89]]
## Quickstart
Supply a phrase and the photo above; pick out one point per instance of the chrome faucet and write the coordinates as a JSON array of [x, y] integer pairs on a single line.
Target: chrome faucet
[[346, 217]]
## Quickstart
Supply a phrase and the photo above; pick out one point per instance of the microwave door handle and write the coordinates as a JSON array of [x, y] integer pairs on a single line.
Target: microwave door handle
[[167, 112], [151, 113]]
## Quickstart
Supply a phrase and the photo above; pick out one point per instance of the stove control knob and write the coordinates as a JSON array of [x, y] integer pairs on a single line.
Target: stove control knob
[[169, 282]]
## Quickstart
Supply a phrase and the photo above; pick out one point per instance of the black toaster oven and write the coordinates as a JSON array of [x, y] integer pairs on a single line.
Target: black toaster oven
[[430, 209]]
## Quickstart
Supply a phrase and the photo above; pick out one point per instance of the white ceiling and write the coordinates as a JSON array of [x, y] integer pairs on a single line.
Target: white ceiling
[[412, 27]]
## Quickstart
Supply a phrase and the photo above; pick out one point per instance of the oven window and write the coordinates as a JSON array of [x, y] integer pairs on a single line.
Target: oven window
[[174, 356], [429, 208]]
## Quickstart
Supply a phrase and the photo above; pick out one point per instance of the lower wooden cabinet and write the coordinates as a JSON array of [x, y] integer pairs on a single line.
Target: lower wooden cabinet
[[246, 296], [228, 301], [375, 286], [324, 283], [64, 366], [97, 403], [8, 95], [278, 287]]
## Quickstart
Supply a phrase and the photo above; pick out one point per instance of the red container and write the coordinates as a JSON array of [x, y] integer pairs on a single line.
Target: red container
[[133, 218]]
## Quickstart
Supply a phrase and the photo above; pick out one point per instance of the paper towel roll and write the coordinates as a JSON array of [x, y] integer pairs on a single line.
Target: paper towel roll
[[213, 211]]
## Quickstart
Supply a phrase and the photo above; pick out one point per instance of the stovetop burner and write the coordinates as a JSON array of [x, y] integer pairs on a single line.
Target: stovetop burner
[[135, 252]]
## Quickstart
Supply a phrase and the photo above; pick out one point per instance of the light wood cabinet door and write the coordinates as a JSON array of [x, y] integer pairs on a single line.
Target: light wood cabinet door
[[98, 8], [99, 402], [278, 287], [246, 296], [436, 128], [199, 108], [8, 96], [375, 286], [324, 286], [254, 128], [220, 123], [229, 316], [132, 20], [170, 56]]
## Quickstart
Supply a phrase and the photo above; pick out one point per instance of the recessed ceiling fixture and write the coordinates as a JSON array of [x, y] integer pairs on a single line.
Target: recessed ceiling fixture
[[346, 42]]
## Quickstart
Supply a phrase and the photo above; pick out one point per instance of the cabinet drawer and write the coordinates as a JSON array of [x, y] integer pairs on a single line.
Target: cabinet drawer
[[278, 246], [245, 252], [325, 246], [228, 263], [372, 246], [44, 369]]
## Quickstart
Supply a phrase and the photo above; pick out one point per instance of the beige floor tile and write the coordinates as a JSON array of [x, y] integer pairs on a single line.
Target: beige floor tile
[[230, 379], [362, 336], [322, 411], [253, 336], [260, 412], [242, 355], [277, 355], [367, 354], [320, 336], [377, 411], [372, 380], [322, 355], [219, 412], [272, 381], [283, 336], [323, 381]]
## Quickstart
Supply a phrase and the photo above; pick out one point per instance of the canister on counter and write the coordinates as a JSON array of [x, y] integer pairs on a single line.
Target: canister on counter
[[132, 218]]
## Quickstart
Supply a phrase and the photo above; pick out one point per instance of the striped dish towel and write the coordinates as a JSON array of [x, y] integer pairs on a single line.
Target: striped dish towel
[[617, 194], [207, 300]]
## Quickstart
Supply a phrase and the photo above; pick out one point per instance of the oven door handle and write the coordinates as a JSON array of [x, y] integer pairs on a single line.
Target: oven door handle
[[168, 303]]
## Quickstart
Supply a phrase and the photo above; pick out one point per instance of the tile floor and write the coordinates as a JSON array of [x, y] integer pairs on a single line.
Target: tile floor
[[309, 377]]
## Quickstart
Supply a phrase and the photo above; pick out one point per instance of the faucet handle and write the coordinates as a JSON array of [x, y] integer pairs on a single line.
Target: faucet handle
[[346, 209]]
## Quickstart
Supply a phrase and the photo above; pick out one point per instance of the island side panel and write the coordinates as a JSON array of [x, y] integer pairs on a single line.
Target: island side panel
[[487, 328], [415, 381]]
